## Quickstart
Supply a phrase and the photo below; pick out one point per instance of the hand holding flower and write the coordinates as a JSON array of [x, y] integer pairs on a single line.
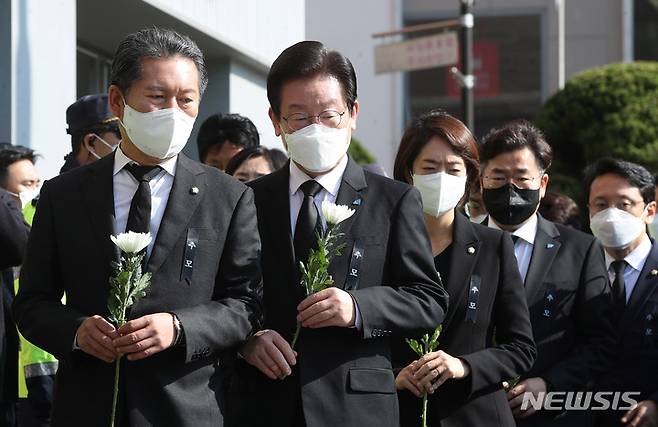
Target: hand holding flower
[[405, 380], [436, 367], [94, 337], [145, 336], [334, 307], [127, 285], [329, 307]]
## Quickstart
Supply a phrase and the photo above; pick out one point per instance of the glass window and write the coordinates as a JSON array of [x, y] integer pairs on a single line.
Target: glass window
[[646, 30], [507, 66], [93, 69]]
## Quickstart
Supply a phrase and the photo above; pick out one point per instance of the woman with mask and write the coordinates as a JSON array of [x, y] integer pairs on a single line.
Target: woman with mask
[[486, 337]]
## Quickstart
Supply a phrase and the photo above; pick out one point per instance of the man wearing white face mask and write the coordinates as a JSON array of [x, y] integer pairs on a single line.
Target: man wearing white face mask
[[18, 175], [204, 293], [621, 205], [94, 131], [385, 281]]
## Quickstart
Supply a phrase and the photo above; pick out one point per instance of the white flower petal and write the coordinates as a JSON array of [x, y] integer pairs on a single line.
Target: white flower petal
[[132, 242], [335, 214]]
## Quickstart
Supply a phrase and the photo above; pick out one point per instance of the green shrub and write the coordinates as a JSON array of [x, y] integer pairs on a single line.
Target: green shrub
[[359, 153], [606, 111]]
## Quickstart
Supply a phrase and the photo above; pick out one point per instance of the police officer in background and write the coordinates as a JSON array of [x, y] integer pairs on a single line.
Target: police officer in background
[[94, 131]]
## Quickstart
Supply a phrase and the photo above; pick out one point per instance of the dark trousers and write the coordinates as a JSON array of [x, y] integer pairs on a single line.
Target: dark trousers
[[34, 411], [8, 414]]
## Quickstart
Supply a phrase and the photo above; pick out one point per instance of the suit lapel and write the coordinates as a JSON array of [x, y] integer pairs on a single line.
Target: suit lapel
[[465, 252], [351, 195], [276, 223], [647, 283], [181, 206], [544, 250], [98, 192]]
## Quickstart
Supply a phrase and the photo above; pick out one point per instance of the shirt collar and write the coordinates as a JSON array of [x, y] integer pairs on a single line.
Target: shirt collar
[[329, 181], [121, 160], [637, 258], [527, 231]]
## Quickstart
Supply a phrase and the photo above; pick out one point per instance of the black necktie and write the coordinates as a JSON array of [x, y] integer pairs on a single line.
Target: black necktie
[[619, 286], [139, 217], [308, 222]]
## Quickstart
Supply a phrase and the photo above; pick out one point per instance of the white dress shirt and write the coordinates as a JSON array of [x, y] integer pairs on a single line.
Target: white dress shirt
[[524, 244], [330, 183], [634, 264], [125, 187]]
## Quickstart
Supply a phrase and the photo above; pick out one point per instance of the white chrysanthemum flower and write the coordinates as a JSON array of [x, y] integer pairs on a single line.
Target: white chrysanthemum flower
[[132, 242], [335, 214]]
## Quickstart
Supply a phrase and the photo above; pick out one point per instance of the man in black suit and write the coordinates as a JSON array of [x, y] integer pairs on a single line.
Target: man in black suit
[[563, 271], [13, 238], [206, 278], [385, 281], [621, 205]]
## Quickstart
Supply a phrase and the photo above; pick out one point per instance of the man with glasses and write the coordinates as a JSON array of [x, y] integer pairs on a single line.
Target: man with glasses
[[563, 271], [385, 282], [621, 205], [94, 131]]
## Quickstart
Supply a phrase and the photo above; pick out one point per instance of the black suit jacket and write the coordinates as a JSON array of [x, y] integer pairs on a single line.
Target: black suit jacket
[[497, 346], [69, 251], [345, 374], [636, 361], [569, 299], [13, 238]]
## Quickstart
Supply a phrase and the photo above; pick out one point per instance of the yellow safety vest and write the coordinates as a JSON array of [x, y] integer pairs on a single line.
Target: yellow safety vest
[[32, 361]]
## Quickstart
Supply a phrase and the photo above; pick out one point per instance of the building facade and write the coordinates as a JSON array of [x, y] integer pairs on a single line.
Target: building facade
[[54, 51], [517, 59]]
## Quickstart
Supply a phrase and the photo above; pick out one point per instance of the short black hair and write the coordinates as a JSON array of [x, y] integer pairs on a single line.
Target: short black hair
[[308, 59], [153, 42], [516, 135], [637, 176], [10, 154], [218, 128], [278, 158], [246, 154], [560, 208]]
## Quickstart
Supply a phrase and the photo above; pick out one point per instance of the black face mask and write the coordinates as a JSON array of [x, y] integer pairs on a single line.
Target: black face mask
[[509, 204]]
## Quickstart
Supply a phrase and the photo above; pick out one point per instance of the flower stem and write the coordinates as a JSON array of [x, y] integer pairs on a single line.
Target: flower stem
[[115, 394], [294, 338], [116, 391], [425, 410]]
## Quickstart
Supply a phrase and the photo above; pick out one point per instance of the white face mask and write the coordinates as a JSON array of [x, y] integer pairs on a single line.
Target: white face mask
[[26, 196], [161, 134], [616, 229], [111, 147], [440, 191], [317, 148]]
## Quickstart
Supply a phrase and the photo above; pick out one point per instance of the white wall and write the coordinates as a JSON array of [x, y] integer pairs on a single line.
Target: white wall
[[42, 77], [347, 26], [248, 96], [261, 27], [38, 58]]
